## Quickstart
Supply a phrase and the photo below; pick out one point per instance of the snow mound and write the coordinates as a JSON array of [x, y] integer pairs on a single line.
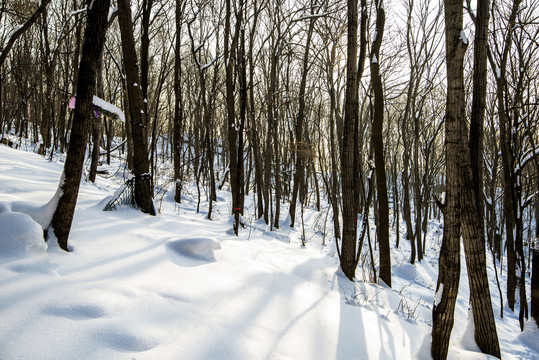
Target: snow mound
[[200, 248], [406, 271], [20, 235]]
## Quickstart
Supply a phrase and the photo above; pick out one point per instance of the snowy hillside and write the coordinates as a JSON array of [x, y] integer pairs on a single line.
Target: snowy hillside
[[179, 286]]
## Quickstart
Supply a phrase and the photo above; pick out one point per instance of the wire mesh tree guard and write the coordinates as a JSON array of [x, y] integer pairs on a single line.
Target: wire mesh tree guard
[[125, 195]]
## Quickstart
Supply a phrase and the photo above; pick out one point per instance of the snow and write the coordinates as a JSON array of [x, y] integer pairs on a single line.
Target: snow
[[109, 107], [20, 236], [103, 105], [463, 38], [374, 59], [179, 286], [438, 296], [196, 248], [75, 12]]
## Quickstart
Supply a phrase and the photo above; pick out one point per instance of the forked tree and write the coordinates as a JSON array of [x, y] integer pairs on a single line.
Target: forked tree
[[462, 203]]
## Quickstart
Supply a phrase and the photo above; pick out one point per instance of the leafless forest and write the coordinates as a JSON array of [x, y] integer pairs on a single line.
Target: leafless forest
[[406, 109]]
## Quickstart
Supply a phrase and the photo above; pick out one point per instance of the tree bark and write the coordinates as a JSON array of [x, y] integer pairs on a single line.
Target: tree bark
[[348, 248], [231, 42], [443, 311], [382, 229], [472, 196], [141, 166], [94, 39]]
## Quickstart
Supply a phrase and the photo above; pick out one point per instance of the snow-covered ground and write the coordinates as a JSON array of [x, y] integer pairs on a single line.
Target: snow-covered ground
[[179, 286]]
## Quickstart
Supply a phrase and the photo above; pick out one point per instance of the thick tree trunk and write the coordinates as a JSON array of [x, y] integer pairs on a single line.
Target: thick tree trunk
[[382, 229], [508, 203], [141, 166], [94, 38], [472, 196], [348, 248], [443, 312]]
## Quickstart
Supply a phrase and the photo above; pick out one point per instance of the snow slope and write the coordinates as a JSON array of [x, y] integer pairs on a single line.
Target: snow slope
[[179, 286]]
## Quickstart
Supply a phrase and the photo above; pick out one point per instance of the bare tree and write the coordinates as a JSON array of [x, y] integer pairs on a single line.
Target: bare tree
[[301, 148], [94, 38], [472, 195], [347, 253], [382, 229], [235, 135], [449, 261], [178, 103], [21, 30], [137, 116]]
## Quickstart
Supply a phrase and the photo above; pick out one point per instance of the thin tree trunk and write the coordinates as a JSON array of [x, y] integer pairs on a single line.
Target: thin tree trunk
[[96, 126], [301, 148], [535, 268], [396, 201], [21, 30], [94, 39], [178, 105]]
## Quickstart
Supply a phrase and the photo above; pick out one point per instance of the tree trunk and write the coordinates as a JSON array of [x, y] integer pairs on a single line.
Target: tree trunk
[[94, 39], [231, 42], [418, 202], [382, 229], [178, 106], [254, 138], [95, 130], [535, 273], [141, 166], [443, 311], [472, 196], [96, 125], [348, 249], [301, 148]]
